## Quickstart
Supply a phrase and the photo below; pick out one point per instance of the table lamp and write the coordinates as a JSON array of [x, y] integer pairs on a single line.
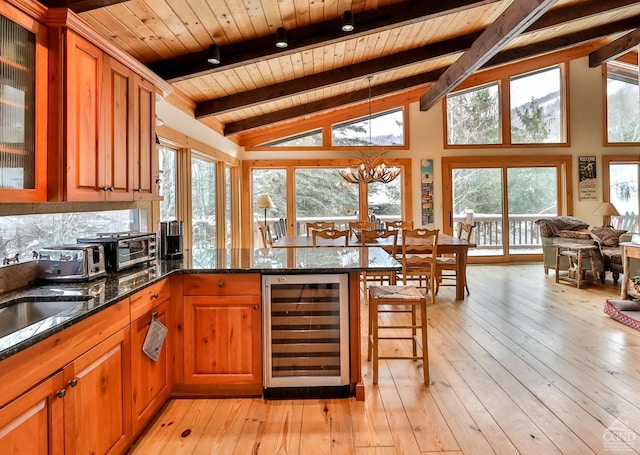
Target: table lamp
[[265, 202], [607, 210]]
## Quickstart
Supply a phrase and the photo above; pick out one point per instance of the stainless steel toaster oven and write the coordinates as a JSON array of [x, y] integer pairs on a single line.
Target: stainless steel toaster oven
[[123, 250], [71, 262]]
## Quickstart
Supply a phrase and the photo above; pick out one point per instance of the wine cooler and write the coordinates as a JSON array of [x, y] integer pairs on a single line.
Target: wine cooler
[[306, 336]]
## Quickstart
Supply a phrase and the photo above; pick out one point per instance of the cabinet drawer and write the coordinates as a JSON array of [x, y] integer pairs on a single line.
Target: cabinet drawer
[[143, 301], [221, 284]]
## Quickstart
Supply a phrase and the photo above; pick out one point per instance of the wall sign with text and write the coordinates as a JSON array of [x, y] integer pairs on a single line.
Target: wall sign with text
[[587, 178]]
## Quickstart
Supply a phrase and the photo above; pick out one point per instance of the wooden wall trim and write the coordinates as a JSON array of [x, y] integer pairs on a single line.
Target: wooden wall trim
[[182, 140], [34, 9]]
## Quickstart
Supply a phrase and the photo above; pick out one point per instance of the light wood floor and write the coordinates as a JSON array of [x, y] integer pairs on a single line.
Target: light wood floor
[[522, 365]]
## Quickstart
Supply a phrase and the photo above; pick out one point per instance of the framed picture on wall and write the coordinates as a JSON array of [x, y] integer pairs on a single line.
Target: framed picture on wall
[[426, 191], [587, 178]]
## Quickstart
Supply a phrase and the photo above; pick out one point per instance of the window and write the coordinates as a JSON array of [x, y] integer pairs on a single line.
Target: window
[[24, 234], [473, 116], [306, 139], [623, 187], [322, 195], [536, 114], [203, 203], [228, 204], [623, 102], [536, 111], [387, 129], [168, 158]]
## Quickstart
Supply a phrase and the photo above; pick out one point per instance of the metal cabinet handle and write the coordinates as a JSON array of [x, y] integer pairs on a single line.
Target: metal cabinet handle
[[256, 307], [61, 393], [111, 188], [220, 284], [138, 190], [154, 295], [105, 188], [73, 382]]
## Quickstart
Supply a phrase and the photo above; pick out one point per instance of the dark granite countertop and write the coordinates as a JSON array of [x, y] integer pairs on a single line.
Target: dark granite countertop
[[108, 290]]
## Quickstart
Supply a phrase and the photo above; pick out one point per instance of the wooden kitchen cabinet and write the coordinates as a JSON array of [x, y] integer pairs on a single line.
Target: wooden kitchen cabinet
[[223, 332], [97, 407], [32, 423], [102, 115], [145, 155], [150, 380], [23, 104]]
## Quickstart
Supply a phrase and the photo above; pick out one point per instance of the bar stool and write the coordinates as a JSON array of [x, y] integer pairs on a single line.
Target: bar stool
[[397, 299]]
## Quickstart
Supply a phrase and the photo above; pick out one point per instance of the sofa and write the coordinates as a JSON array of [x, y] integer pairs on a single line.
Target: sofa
[[565, 229]]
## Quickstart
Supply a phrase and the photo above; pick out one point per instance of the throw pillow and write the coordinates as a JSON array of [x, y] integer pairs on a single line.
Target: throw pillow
[[606, 236]]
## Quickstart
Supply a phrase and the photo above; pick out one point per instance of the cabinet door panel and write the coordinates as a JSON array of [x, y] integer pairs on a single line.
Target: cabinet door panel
[[97, 409], [222, 339], [85, 173], [145, 154], [149, 379], [32, 423], [117, 129]]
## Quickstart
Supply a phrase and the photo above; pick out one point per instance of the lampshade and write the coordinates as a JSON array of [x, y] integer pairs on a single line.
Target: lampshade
[[281, 38], [607, 209], [265, 202], [347, 21], [213, 56]]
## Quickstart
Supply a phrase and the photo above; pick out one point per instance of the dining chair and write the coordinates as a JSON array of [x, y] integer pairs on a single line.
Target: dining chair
[[419, 253], [398, 224], [331, 234], [371, 238], [319, 225], [446, 266], [265, 235], [355, 227]]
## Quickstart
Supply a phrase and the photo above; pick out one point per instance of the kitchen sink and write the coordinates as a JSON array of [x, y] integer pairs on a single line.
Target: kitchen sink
[[23, 312]]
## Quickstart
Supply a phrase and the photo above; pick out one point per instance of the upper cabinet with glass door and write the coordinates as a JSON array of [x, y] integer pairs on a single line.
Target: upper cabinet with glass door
[[23, 107]]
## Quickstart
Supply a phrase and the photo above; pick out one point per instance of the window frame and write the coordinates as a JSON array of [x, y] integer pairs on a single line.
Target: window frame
[[502, 76], [631, 58], [290, 166]]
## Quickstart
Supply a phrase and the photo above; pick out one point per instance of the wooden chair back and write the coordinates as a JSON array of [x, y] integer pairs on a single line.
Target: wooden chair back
[[465, 230], [419, 251], [265, 235], [319, 226], [398, 224], [331, 234], [370, 238], [355, 227]]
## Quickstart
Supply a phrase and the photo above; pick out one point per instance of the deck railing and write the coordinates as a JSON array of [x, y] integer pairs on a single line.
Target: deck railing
[[523, 232]]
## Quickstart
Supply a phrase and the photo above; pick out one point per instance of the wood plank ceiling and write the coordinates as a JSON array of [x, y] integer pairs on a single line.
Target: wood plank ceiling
[[404, 45]]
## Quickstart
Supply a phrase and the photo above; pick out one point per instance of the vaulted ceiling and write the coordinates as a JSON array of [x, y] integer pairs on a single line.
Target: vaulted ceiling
[[404, 45]]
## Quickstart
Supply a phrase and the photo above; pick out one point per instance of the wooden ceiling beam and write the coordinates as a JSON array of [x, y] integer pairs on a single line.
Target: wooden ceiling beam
[[357, 71], [79, 6], [518, 16], [615, 48], [308, 37], [502, 58]]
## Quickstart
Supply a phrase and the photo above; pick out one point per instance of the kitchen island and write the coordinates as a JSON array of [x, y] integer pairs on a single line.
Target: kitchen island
[[85, 380]]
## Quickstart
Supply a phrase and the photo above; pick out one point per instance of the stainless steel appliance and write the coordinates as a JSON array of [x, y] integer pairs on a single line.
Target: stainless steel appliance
[[171, 238], [306, 335], [71, 262], [125, 249]]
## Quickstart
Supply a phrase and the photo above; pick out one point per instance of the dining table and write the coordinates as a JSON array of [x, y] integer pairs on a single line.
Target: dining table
[[447, 245]]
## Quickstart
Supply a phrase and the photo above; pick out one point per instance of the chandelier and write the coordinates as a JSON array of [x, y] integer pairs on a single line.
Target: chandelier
[[371, 167]]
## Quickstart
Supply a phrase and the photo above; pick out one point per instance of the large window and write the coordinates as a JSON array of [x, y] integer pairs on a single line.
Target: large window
[[473, 116], [623, 103], [203, 203], [25, 235], [383, 128], [306, 139], [167, 161], [536, 111]]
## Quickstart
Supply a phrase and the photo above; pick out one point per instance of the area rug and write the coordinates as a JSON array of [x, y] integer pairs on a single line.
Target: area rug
[[625, 311]]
